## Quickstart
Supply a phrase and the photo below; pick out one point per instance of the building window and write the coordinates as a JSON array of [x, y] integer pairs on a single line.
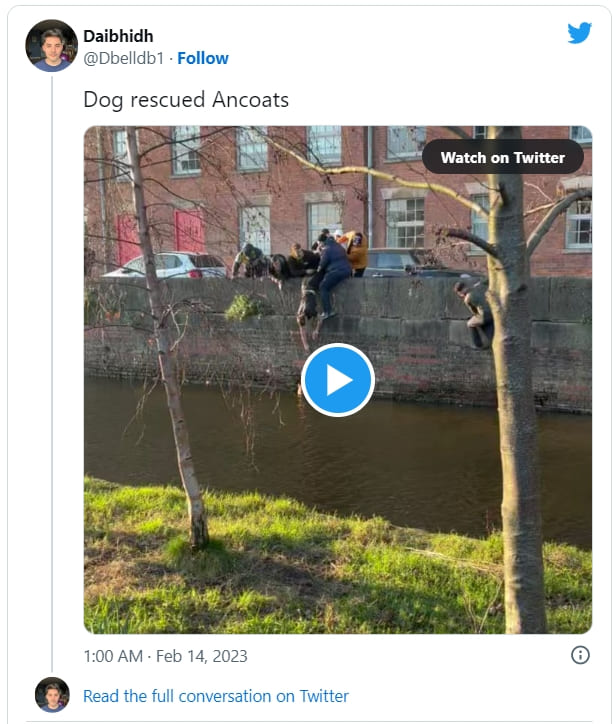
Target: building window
[[251, 149], [120, 150], [479, 223], [255, 227], [323, 216], [480, 132], [581, 134], [405, 223], [185, 150], [120, 155], [579, 225], [324, 144], [405, 141]]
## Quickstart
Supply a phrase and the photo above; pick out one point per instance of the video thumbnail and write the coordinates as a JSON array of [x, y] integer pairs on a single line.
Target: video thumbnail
[[455, 496]]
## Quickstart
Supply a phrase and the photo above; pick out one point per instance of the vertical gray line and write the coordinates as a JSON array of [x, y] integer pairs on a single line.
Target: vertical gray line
[[51, 370], [7, 320], [612, 389]]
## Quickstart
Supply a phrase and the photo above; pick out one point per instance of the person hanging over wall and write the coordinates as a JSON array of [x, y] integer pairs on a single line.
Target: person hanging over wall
[[481, 324], [253, 259], [302, 262], [335, 267], [278, 267], [356, 245], [299, 263]]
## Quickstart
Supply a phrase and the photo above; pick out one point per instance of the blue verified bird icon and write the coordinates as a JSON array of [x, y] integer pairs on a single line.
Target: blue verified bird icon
[[579, 35]]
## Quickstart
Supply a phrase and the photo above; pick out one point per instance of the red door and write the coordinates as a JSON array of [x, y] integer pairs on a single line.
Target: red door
[[128, 239], [189, 232]]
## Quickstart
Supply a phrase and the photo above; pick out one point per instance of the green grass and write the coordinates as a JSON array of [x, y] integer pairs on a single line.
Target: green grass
[[276, 566]]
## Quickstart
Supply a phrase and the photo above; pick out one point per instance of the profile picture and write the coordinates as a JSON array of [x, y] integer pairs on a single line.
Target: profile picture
[[51, 46], [52, 695]]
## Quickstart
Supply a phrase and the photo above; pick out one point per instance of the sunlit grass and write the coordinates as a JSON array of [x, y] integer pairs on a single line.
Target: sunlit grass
[[276, 566]]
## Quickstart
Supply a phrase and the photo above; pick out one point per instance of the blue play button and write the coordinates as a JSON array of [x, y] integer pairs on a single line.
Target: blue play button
[[337, 380]]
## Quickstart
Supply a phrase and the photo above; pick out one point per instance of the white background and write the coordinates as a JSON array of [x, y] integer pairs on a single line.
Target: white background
[[345, 65]]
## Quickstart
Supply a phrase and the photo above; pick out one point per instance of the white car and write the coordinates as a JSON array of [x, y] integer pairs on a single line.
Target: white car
[[174, 264]]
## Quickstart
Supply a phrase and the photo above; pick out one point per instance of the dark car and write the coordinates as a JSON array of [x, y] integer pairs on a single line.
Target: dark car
[[407, 262]]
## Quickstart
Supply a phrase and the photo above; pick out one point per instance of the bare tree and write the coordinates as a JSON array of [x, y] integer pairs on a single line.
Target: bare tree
[[508, 254], [199, 536]]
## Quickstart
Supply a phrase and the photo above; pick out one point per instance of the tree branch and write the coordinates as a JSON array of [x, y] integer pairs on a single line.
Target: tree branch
[[336, 171], [538, 189], [459, 132], [472, 238], [537, 209], [544, 226]]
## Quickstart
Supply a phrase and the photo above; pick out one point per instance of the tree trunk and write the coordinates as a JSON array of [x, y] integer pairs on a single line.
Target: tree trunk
[[199, 536], [108, 260], [509, 296]]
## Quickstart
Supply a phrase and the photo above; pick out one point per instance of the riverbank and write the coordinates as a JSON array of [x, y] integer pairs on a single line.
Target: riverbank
[[276, 566]]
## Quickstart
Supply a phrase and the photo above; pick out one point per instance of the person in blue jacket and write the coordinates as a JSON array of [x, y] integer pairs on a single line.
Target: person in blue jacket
[[52, 46], [334, 267], [53, 702]]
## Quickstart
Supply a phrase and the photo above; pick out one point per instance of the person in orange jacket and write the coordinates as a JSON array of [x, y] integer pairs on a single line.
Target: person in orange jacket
[[356, 245]]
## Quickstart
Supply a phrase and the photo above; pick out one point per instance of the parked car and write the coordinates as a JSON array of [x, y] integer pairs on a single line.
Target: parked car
[[174, 264], [407, 262]]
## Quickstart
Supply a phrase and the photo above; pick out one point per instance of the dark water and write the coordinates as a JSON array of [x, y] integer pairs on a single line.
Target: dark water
[[435, 468]]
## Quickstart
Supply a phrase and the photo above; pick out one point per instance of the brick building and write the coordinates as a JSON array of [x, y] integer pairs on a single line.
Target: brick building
[[213, 188]]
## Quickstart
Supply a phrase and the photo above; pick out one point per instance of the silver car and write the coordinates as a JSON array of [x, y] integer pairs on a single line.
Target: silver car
[[174, 264]]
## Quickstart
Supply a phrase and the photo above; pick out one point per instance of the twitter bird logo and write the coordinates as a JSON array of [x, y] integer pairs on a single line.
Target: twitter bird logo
[[579, 35]]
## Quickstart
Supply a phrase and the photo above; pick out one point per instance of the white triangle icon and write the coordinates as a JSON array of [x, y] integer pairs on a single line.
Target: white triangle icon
[[336, 380]]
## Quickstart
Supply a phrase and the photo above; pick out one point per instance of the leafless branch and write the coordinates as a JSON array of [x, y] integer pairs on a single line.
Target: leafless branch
[[459, 132], [544, 226], [336, 171], [539, 190], [536, 210], [470, 237]]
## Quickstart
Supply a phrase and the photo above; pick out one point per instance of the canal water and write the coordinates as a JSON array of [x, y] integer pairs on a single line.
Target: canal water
[[435, 468]]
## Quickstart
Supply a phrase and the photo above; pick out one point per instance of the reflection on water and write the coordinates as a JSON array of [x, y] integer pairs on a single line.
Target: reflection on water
[[435, 468]]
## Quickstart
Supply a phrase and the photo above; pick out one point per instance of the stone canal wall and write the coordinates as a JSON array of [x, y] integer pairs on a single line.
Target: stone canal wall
[[413, 331]]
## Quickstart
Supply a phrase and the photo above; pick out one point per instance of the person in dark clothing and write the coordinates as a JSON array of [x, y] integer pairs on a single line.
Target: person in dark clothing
[[302, 261], [253, 259], [481, 324], [278, 267], [335, 267]]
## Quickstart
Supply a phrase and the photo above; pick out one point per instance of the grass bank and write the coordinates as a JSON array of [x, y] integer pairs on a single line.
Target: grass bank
[[276, 566]]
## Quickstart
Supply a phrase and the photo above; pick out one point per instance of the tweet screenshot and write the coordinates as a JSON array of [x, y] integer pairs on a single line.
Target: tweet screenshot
[[304, 362]]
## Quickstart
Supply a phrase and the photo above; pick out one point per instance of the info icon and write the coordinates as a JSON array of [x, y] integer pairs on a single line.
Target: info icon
[[338, 380]]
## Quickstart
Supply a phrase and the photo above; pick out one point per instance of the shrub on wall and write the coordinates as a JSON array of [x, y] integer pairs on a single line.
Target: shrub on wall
[[244, 306]]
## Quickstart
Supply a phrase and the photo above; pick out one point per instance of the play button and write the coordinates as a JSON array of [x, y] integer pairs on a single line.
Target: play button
[[337, 380]]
